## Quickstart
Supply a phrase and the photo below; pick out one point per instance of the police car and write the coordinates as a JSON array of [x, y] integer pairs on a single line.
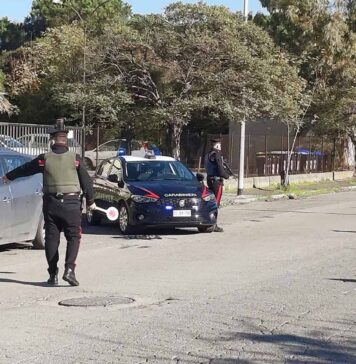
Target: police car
[[152, 191]]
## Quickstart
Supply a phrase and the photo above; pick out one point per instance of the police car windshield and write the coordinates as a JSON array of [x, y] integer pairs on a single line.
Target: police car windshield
[[158, 171]]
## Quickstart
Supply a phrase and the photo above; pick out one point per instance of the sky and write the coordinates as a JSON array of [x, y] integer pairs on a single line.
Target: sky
[[17, 10]]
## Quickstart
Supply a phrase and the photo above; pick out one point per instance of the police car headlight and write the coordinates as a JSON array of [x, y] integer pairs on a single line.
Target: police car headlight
[[143, 199], [209, 197]]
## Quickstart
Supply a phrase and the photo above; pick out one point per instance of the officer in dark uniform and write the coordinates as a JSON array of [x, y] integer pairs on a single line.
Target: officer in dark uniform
[[64, 177], [216, 172]]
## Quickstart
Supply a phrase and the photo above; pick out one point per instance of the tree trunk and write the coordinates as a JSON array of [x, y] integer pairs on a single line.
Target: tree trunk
[[347, 154], [175, 140]]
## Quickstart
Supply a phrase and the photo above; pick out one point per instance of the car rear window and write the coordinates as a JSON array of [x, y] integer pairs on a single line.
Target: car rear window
[[13, 161], [2, 172]]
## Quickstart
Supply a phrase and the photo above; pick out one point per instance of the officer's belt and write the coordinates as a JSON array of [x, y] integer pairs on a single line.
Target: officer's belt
[[61, 196], [217, 178]]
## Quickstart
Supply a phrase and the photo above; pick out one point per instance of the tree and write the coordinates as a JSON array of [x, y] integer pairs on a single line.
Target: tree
[[12, 35], [160, 71], [198, 57], [321, 37], [5, 105], [95, 13]]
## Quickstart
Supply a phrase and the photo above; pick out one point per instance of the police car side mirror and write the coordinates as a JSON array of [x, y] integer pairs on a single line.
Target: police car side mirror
[[113, 178], [200, 177]]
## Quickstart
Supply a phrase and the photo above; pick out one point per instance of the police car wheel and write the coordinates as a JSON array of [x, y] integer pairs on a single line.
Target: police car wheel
[[124, 219], [39, 241], [93, 218], [206, 229]]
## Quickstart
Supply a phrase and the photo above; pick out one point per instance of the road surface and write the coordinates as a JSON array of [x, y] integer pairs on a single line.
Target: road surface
[[278, 286]]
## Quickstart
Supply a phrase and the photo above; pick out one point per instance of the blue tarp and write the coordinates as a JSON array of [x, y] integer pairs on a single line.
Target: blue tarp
[[305, 151]]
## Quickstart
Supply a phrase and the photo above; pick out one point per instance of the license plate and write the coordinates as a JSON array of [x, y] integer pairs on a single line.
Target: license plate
[[182, 213]]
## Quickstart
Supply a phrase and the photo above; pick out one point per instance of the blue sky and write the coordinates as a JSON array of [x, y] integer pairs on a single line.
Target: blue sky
[[16, 10]]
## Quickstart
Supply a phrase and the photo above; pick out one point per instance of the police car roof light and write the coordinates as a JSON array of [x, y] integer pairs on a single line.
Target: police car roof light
[[150, 155]]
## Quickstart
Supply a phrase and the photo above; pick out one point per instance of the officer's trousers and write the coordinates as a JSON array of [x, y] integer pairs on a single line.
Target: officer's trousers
[[62, 215], [215, 184]]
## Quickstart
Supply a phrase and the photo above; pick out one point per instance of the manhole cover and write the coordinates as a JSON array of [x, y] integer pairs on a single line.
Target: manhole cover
[[97, 301]]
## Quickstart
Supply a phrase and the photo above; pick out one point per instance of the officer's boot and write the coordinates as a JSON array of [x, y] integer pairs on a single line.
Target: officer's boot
[[69, 276], [218, 229], [53, 278]]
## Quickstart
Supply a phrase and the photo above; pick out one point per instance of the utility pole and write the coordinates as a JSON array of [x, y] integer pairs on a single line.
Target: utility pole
[[242, 130]]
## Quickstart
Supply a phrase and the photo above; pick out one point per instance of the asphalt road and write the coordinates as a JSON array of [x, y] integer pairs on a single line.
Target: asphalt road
[[278, 286]]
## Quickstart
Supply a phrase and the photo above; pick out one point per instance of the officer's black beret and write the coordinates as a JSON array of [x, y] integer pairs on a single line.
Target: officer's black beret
[[215, 140], [58, 128]]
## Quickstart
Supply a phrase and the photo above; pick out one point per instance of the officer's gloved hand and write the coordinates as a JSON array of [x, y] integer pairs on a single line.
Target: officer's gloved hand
[[92, 206]]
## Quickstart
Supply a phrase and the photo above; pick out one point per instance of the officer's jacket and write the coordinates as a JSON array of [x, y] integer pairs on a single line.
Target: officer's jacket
[[38, 164], [214, 166]]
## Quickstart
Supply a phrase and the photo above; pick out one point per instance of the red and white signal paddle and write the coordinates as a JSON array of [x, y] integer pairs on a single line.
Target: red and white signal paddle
[[111, 213]]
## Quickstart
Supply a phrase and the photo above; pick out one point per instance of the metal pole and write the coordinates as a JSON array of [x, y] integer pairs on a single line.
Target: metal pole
[[246, 10], [248, 155], [243, 131], [310, 163], [322, 154], [333, 155], [84, 87], [97, 146], [266, 158], [242, 159]]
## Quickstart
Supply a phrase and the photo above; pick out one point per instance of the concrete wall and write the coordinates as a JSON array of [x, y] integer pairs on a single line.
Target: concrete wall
[[262, 182], [343, 175]]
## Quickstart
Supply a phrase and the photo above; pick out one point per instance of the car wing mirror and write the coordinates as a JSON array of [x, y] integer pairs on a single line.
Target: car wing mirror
[[113, 178], [200, 177], [121, 183]]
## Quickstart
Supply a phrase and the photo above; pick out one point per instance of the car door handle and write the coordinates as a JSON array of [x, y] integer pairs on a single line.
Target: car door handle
[[38, 192], [6, 199]]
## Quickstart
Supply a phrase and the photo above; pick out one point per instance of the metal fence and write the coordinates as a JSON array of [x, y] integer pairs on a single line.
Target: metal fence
[[265, 155], [34, 139]]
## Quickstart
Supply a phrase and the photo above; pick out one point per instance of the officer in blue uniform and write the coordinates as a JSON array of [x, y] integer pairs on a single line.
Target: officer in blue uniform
[[216, 172]]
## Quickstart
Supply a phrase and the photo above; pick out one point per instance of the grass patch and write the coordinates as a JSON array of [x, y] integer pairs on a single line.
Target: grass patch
[[303, 189]]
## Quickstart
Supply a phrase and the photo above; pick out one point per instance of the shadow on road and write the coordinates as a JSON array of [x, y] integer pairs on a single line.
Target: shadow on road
[[26, 283], [145, 234], [14, 246], [299, 349], [344, 231], [345, 280]]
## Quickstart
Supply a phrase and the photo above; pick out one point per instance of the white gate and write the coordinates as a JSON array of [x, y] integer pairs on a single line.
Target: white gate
[[34, 139]]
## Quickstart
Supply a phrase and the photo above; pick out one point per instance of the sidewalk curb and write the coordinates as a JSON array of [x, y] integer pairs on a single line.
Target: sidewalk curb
[[348, 188], [245, 199], [280, 196]]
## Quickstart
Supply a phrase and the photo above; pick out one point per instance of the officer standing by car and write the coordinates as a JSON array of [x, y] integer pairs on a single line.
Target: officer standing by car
[[64, 177], [216, 172]]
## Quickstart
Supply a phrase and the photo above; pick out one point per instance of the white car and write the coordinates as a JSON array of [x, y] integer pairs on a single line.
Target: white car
[[35, 144], [21, 217], [111, 149], [9, 143], [106, 150]]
